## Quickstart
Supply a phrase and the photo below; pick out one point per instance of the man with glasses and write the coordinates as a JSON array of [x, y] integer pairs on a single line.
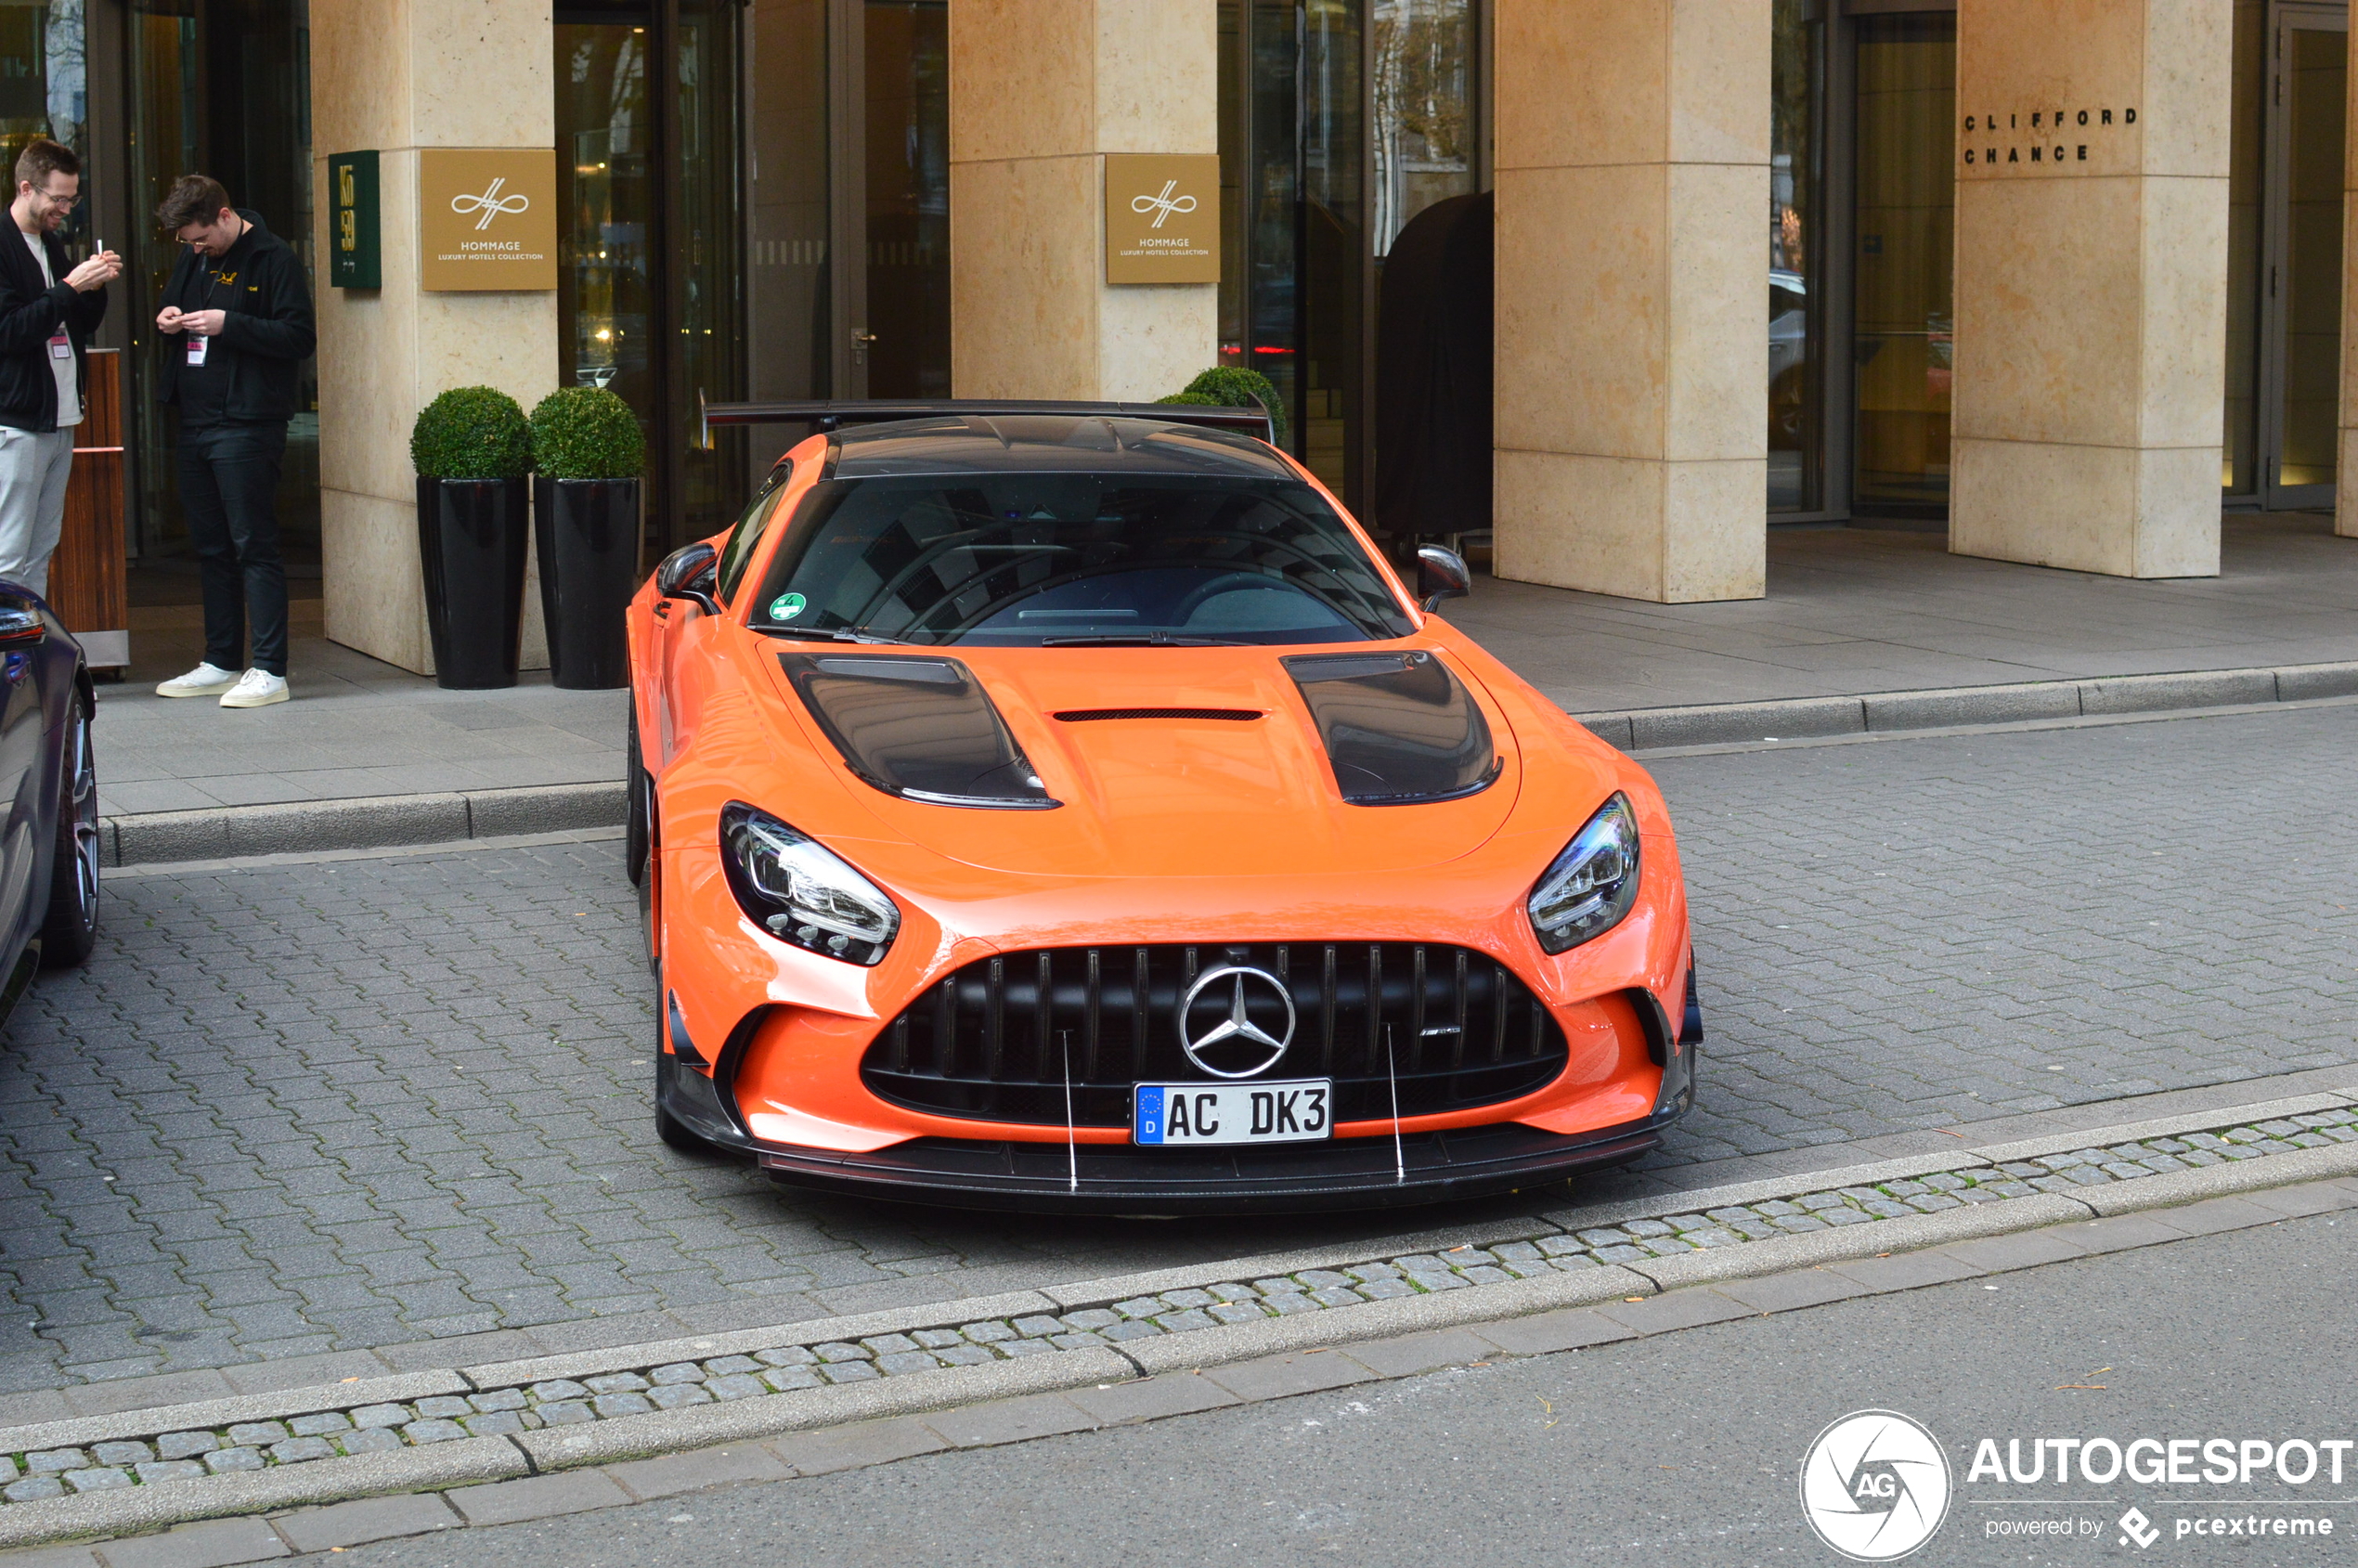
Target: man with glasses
[[48, 313]]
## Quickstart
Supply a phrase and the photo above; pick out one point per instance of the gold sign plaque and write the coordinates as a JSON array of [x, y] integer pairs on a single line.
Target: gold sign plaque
[[1162, 217], [486, 219]]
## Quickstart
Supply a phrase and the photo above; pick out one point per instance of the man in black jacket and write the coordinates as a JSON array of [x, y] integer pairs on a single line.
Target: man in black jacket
[[48, 313], [237, 320]]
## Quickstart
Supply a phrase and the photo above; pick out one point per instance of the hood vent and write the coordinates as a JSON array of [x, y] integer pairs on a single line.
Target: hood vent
[[1399, 728], [922, 729], [1091, 715]]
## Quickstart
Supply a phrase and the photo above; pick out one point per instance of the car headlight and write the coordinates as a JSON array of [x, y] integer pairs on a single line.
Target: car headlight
[[794, 888], [1592, 885]]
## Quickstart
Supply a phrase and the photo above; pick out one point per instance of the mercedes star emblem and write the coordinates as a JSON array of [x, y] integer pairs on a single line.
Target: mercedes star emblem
[[1246, 1040]]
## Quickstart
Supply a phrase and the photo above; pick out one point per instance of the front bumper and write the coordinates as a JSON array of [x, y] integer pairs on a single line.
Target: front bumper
[[1030, 1177]]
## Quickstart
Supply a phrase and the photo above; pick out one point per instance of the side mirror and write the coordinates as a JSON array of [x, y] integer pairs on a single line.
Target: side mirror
[[1441, 574], [687, 573], [20, 628]]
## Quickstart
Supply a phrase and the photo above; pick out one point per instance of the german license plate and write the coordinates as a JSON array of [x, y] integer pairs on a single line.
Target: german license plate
[[1292, 1112]]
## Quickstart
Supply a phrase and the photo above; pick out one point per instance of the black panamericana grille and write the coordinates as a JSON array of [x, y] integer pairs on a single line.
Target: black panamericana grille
[[989, 1040]]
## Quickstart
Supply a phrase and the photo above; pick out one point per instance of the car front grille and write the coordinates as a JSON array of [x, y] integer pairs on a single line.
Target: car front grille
[[991, 1040]]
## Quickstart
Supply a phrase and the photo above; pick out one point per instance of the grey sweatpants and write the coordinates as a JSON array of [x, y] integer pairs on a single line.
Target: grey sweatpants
[[32, 502]]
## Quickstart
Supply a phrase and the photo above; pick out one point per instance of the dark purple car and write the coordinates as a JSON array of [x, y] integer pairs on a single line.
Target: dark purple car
[[49, 848]]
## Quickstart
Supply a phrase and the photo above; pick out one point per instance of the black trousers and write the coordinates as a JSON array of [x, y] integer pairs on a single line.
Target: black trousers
[[229, 490]]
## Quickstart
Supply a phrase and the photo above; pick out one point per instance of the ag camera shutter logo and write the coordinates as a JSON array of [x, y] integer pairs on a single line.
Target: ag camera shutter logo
[[1876, 1485]]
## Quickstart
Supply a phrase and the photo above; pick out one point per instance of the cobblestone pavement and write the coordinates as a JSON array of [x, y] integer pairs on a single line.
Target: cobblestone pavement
[[787, 1363], [299, 1109]]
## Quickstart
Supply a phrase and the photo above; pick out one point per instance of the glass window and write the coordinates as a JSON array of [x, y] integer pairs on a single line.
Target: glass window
[[2315, 111], [786, 215], [2240, 468], [1037, 559], [747, 537], [908, 156], [1796, 447], [1905, 253], [1421, 99], [605, 301], [225, 87]]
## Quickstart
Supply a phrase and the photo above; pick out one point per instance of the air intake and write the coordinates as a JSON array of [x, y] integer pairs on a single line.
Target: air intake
[[1091, 715]]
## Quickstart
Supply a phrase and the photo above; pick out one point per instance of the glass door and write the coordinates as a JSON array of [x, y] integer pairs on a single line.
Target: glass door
[[2301, 299], [1903, 248], [902, 339], [222, 86]]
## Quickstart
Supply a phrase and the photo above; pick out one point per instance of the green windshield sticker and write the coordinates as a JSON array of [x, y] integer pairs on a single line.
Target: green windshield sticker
[[786, 606]]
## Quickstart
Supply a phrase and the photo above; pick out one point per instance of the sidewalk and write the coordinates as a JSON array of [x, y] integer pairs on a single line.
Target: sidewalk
[[1858, 610], [1850, 611], [356, 728]]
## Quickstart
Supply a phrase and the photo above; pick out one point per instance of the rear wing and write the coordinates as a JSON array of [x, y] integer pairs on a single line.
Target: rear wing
[[825, 416]]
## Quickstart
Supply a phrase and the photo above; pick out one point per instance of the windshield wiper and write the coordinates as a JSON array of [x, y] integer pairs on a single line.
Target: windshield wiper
[[831, 634], [1141, 640]]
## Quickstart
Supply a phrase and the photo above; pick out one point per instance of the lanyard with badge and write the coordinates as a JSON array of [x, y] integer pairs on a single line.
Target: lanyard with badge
[[197, 342], [61, 346]]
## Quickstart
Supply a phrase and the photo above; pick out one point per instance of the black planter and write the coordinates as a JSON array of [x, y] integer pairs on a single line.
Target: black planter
[[471, 534], [588, 534]]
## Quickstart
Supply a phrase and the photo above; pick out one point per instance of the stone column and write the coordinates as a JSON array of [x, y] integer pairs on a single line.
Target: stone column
[[1632, 356], [2092, 283], [398, 75], [1039, 91]]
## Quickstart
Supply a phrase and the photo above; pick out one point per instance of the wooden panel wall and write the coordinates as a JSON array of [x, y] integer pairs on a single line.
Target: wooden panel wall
[[85, 575]]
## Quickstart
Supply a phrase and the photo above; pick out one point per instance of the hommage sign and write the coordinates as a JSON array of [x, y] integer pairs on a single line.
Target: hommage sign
[[1162, 217], [486, 218]]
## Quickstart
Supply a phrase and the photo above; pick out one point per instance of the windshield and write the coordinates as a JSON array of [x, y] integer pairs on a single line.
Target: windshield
[[1041, 560]]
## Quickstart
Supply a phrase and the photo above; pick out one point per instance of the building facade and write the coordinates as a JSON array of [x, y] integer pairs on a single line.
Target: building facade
[[2065, 277]]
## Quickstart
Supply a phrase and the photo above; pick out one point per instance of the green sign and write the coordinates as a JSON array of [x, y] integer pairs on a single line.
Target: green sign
[[355, 254]]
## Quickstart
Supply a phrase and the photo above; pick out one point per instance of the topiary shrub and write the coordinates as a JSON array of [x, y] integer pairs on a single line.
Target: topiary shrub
[[586, 433], [1232, 386], [472, 433]]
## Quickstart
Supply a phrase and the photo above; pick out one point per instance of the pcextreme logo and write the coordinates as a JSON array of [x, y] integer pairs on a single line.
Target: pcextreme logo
[[1874, 1486]]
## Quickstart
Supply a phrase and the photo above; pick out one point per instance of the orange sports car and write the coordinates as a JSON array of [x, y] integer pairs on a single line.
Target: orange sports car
[[1064, 807]]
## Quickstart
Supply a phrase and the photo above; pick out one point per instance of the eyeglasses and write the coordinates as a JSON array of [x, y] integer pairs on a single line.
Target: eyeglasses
[[69, 199]]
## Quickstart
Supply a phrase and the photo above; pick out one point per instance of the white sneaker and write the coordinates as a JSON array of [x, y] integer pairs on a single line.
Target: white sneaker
[[256, 688], [208, 679]]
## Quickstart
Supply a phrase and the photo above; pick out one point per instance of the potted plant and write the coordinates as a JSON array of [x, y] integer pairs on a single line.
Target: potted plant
[[472, 451], [1231, 386], [587, 450]]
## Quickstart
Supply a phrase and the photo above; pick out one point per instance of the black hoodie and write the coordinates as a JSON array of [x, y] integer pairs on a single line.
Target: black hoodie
[[267, 333], [30, 312]]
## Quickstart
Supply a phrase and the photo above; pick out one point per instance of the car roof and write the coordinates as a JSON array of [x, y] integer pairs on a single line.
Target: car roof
[[1047, 443]]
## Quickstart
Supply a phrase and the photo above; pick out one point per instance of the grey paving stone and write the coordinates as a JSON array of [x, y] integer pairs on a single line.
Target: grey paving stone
[[539, 1496], [222, 1461], [422, 1433], [157, 1472], [368, 1519], [103, 1478], [295, 1450], [186, 1445], [374, 1439], [33, 1489]]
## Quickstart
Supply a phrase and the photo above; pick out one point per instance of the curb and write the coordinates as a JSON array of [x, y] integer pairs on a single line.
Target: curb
[[389, 821], [1815, 717], [1526, 1317], [369, 823]]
